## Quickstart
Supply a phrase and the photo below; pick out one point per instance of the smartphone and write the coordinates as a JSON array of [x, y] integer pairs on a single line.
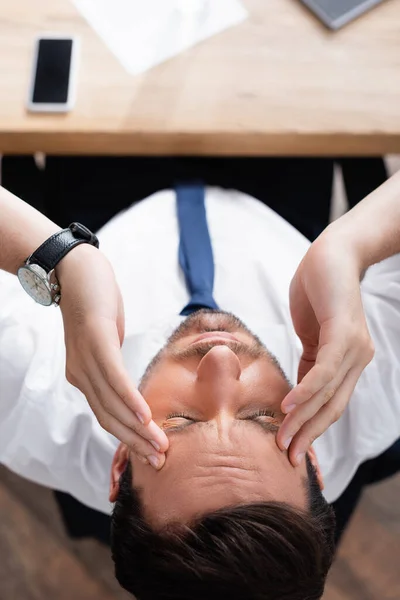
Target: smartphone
[[336, 13], [54, 73]]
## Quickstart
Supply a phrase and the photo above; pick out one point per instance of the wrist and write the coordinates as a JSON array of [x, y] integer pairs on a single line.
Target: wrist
[[372, 227], [345, 239], [70, 262], [44, 269]]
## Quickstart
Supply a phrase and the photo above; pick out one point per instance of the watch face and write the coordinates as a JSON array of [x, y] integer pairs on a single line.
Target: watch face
[[35, 285]]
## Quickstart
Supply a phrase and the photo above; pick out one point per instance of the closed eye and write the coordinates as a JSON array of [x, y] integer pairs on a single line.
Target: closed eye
[[263, 417], [268, 426], [177, 421], [262, 412], [266, 418]]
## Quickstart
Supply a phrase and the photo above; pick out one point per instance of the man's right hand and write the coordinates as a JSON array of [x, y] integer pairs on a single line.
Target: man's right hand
[[328, 317]]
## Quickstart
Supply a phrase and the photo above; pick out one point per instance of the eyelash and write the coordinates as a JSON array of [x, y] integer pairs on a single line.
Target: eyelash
[[263, 412], [178, 415]]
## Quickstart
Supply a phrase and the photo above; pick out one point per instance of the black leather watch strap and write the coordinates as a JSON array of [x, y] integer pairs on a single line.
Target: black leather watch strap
[[49, 254]]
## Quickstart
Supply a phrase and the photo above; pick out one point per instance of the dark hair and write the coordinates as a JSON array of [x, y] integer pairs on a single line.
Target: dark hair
[[263, 551]]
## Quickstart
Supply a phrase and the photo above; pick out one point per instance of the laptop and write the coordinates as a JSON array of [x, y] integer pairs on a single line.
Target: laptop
[[336, 13]]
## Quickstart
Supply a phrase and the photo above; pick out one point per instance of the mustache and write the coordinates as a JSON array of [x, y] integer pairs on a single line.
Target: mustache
[[200, 349], [206, 320]]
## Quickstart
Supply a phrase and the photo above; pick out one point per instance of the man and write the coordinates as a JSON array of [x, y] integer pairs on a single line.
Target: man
[[228, 513]]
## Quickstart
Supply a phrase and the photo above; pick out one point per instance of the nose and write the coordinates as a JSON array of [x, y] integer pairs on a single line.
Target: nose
[[221, 364], [218, 374]]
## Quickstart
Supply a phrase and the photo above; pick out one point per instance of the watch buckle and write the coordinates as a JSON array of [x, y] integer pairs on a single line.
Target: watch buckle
[[84, 233]]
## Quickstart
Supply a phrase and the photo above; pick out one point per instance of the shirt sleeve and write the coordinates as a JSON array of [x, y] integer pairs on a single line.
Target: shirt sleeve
[[47, 431]]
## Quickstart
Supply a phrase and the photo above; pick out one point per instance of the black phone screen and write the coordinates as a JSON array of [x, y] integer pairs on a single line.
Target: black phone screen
[[52, 71]]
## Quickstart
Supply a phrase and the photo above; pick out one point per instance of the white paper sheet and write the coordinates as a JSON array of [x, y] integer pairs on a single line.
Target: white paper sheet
[[143, 33]]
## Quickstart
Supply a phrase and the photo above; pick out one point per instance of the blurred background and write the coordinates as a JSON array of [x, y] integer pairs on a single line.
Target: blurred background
[[248, 79]]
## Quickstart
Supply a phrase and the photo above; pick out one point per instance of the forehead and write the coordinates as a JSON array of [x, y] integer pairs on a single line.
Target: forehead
[[203, 473]]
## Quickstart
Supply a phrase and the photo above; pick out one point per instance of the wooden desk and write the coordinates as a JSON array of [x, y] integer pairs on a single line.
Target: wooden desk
[[277, 84]]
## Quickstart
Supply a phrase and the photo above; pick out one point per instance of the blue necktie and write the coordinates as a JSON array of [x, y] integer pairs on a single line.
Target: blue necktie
[[195, 250]]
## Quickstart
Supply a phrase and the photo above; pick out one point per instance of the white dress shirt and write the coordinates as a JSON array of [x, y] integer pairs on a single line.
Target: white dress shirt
[[47, 430]]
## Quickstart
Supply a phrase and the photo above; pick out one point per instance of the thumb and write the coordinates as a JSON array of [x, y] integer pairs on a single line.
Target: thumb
[[120, 318], [307, 360]]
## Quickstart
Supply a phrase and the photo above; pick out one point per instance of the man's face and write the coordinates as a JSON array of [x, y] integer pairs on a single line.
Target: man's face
[[216, 392]]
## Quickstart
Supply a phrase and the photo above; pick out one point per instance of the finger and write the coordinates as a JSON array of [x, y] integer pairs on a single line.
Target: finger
[[111, 366], [329, 360], [109, 402], [140, 446], [121, 318], [308, 356], [107, 356], [305, 365], [307, 410], [326, 416]]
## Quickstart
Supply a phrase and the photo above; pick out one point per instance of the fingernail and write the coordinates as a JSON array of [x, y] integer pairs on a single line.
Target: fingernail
[[153, 460], [140, 418], [299, 457], [287, 442], [288, 409], [156, 446]]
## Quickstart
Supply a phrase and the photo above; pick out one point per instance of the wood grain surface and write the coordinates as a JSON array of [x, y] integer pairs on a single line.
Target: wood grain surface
[[277, 84]]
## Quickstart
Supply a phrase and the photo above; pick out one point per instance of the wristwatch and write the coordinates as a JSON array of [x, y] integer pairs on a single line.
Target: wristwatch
[[37, 275]]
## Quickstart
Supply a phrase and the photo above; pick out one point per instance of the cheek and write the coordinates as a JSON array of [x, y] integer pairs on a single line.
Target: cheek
[[263, 382], [169, 385]]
